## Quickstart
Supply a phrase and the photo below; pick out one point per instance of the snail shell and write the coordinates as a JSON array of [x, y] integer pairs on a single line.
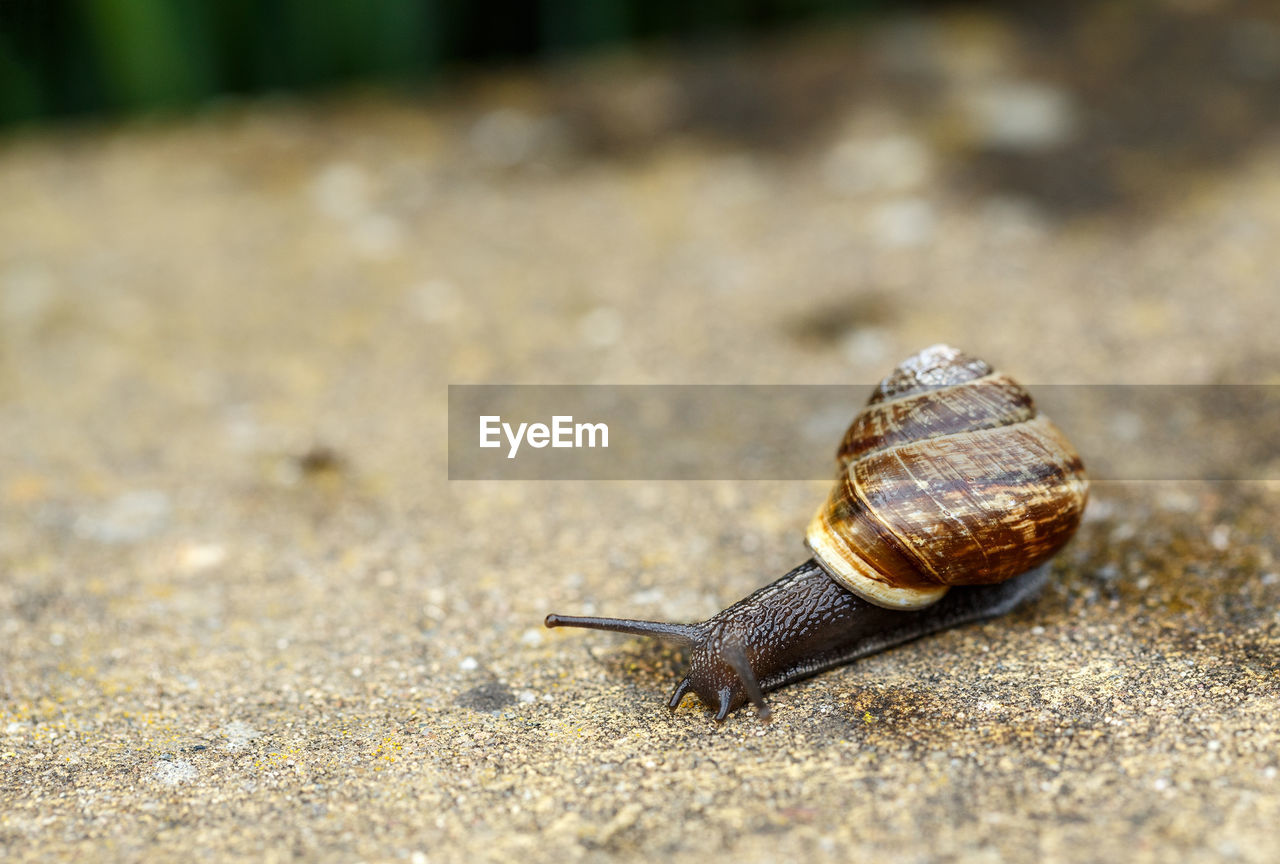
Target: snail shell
[[949, 476]]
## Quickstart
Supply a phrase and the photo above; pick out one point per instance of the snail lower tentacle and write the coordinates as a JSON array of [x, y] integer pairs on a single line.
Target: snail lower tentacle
[[803, 624]]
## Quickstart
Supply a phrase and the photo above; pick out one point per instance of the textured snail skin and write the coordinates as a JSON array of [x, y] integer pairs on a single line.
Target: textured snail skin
[[802, 624]]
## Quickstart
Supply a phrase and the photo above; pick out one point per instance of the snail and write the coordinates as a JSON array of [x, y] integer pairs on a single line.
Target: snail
[[952, 493]]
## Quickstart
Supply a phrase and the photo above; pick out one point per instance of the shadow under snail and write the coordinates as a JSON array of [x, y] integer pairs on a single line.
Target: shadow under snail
[[952, 493]]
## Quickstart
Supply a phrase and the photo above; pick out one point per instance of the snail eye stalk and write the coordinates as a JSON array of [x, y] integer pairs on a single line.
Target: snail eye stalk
[[682, 634]]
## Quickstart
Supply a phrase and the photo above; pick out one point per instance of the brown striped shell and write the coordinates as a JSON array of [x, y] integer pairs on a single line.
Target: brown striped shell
[[949, 476]]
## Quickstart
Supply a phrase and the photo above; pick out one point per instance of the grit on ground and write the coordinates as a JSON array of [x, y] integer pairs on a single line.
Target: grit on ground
[[244, 614]]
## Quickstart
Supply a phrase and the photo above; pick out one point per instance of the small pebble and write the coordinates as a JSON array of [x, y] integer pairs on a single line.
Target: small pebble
[[127, 518], [601, 327], [238, 735], [436, 301], [174, 773], [506, 138], [867, 348], [1020, 115], [197, 557], [893, 163], [904, 223], [341, 190], [648, 597]]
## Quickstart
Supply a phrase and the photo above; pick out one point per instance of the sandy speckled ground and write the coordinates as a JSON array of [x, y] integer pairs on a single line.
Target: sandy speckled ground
[[243, 613]]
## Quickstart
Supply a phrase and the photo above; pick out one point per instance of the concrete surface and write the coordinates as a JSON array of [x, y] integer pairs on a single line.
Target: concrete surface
[[243, 614]]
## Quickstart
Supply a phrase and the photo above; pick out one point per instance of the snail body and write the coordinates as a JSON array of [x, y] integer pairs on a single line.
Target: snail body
[[952, 493]]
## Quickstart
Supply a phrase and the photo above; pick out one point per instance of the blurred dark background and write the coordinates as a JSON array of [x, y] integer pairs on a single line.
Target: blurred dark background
[[1121, 95], [69, 57]]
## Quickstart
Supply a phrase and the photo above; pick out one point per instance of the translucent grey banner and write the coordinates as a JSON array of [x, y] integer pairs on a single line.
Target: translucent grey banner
[[747, 432]]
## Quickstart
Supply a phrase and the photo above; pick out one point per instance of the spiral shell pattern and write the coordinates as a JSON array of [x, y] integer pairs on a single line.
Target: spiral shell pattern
[[949, 476]]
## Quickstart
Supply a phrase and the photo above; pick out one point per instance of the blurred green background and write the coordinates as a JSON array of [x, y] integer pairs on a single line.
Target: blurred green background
[[67, 57]]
